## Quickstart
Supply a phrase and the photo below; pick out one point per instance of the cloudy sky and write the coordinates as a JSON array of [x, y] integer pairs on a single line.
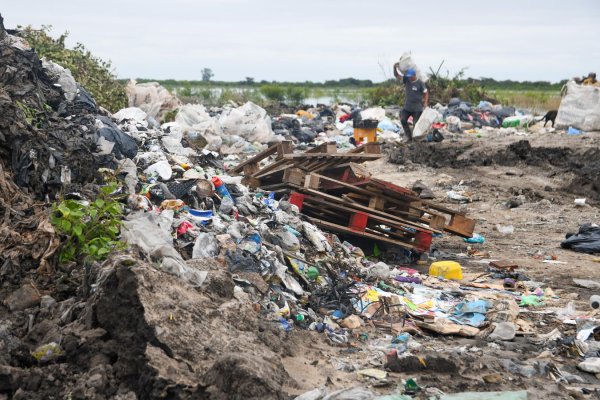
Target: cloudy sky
[[327, 39]]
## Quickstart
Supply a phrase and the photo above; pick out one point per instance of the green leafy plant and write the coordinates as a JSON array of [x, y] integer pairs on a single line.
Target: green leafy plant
[[388, 93], [273, 92], [91, 229], [295, 95]]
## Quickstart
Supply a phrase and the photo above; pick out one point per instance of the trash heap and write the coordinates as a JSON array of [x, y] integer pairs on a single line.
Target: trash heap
[[220, 279]]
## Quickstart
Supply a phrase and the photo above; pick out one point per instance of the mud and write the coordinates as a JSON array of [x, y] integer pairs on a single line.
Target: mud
[[583, 162]]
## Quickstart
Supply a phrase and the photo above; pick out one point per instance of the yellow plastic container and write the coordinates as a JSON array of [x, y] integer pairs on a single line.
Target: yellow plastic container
[[446, 269], [370, 134]]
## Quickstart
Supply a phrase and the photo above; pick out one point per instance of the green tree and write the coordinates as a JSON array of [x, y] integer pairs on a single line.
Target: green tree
[[91, 72], [207, 74]]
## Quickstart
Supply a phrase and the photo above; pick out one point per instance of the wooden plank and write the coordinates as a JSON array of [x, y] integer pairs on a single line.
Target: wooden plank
[[258, 157], [251, 169], [319, 209], [461, 226], [376, 215], [334, 155], [369, 148], [330, 165], [356, 189], [294, 175], [266, 170], [356, 196], [330, 147], [376, 203], [312, 181], [276, 186], [250, 181], [283, 148], [437, 221], [344, 229]]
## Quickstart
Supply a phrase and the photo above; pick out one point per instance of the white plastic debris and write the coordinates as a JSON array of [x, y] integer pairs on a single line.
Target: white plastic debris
[[162, 168]]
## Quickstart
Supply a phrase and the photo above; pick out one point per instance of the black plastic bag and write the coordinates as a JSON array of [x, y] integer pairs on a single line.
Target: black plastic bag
[[125, 145], [587, 240]]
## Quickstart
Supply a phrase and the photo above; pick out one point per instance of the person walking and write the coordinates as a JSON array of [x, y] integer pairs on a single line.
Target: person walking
[[415, 100]]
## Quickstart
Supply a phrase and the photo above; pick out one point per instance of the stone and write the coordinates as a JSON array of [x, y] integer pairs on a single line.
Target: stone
[[25, 297], [96, 381], [591, 365], [351, 322], [492, 378], [47, 302], [503, 331]]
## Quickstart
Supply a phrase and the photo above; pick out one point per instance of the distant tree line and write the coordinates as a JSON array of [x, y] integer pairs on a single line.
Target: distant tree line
[[487, 83]]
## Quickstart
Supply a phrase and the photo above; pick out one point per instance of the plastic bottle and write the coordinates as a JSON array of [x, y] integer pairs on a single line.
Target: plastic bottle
[[595, 301], [220, 187]]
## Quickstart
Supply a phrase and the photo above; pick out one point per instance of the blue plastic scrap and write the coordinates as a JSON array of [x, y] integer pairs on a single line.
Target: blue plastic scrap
[[471, 313], [476, 238]]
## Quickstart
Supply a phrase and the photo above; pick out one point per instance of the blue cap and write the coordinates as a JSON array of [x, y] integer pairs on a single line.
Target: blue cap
[[411, 72]]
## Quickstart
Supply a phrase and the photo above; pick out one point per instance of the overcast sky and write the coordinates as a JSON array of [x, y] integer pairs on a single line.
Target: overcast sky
[[327, 39]]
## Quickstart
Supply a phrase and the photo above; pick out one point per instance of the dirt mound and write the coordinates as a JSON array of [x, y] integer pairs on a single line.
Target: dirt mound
[[584, 163], [144, 334]]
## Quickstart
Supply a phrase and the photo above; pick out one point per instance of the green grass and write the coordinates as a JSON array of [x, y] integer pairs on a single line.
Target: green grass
[[537, 101]]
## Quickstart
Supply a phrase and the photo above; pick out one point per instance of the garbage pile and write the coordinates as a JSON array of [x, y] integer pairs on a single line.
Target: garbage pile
[[221, 279]]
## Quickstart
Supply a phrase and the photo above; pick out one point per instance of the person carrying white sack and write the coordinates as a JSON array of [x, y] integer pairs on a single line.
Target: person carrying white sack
[[416, 98]]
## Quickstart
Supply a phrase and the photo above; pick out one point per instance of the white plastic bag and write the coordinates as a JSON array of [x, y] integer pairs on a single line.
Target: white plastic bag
[[377, 113], [132, 114], [580, 108], [206, 246], [423, 126], [406, 61], [162, 168], [63, 77], [249, 121], [193, 117], [151, 97]]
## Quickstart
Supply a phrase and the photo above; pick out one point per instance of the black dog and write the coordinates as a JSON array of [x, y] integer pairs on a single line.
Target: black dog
[[550, 116]]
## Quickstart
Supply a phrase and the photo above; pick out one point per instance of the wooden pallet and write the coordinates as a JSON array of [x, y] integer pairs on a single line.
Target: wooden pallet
[[279, 158], [396, 201]]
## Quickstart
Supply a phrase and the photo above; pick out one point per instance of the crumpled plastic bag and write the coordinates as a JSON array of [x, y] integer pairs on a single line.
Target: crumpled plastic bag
[[206, 246], [587, 240], [406, 61], [249, 121], [131, 114], [63, 77], [151, 97], [194, 118], [142, 230], [316, 237], [125, 146], [162, 168]]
